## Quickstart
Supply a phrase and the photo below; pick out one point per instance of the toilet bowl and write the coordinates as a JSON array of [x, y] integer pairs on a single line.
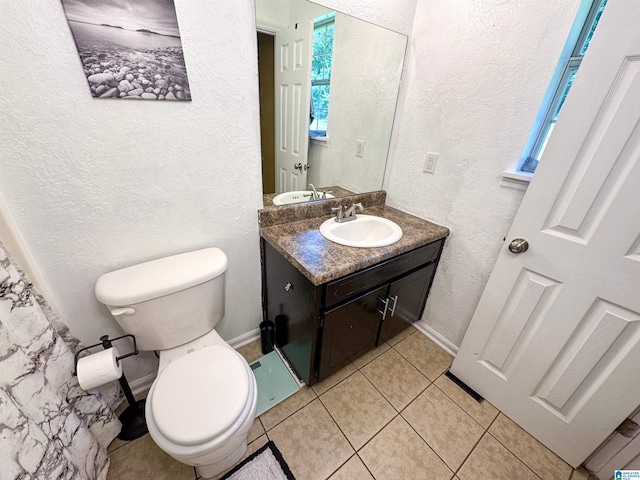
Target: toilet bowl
[[202, 403]]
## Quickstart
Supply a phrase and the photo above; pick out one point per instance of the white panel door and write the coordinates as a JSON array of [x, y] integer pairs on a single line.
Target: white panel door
[[293, 98], [555, 340]]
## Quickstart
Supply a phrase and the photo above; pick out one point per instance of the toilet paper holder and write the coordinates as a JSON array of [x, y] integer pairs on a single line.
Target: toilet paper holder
[[106, 343], [134, 424]]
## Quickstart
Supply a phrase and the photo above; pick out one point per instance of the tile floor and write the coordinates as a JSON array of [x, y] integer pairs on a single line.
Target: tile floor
[[390, 415]]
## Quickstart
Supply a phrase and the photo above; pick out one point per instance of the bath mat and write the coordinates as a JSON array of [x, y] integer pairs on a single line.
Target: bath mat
[[266, 464], [275, 382]]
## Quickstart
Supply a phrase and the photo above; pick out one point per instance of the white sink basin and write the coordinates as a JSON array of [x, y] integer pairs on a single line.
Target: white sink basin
[[297, 196], [366, 231]]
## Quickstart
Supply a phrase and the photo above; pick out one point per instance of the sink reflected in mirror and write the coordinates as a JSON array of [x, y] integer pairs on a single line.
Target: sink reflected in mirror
[[297, 196], [366, 231], [352, 71]]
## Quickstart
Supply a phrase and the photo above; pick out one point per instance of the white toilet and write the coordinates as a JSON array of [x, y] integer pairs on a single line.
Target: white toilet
[[202, 404]]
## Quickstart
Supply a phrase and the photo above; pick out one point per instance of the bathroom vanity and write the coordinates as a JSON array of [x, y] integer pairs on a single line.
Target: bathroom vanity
[[331, 303]]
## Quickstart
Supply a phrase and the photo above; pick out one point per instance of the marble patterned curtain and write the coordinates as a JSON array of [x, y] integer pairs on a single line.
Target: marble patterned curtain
[[49, 427]]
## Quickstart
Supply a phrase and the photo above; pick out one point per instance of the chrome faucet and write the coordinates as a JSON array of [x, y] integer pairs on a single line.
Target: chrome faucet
[[349, 214], [324, 194], [314, 195]]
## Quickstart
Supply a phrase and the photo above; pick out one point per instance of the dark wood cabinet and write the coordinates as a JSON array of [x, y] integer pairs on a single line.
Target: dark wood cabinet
[[320, 329]]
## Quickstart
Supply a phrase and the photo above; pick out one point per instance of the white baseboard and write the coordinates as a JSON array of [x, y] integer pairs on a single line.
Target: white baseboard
[[444, 343], [143, 384], [244, 339]]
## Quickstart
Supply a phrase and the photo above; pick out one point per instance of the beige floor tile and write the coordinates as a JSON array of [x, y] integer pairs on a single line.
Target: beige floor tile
[[448, 430], [490, 460], [371, 355], [251, 351], [402, 335], [425, 355], [256, 431], [354, 469], [536, 456], [484, 413], [396, 378], [397, 452], [358, 409], [295, 402], [334, 379], [311, 443], [142, 458]]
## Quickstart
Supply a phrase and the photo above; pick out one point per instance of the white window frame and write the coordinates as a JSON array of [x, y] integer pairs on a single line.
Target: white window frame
[[330, 19], [570, 61]]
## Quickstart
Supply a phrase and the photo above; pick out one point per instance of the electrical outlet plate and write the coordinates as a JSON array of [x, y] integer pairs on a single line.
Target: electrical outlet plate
[[360, 148], [430, 162]]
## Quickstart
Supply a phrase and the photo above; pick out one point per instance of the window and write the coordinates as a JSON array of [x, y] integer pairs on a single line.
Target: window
[[324, 28], [559, 88]]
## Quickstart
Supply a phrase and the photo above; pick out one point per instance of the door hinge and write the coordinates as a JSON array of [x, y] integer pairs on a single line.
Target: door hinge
[[321, 322]]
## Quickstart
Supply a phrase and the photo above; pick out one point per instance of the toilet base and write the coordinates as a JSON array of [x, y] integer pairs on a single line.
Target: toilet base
[[213, 469]]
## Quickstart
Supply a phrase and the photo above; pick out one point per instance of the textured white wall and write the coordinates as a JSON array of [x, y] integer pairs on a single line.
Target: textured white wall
[[96, 185], [476, 74]]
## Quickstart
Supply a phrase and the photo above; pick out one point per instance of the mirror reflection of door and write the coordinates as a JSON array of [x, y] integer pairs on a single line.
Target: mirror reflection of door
[[347, 141], [293, 97]]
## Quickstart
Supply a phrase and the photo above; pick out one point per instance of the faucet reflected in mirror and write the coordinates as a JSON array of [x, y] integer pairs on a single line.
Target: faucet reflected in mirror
[[343, 83]]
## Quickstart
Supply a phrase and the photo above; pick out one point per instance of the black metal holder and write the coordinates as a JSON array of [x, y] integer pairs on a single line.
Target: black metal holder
[[133, 421]]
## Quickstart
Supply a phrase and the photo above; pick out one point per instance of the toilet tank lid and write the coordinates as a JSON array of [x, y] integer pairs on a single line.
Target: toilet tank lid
[[160, 277]]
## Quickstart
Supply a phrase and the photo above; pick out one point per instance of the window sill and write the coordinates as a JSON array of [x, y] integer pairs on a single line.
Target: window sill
[[515, 180], [320, 141]]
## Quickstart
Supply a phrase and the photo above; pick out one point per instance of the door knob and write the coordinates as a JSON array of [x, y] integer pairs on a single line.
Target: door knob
[[298, 166], [518, 245]]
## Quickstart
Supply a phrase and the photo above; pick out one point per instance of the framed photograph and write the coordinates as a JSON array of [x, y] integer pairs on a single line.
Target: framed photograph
[[129, 49]]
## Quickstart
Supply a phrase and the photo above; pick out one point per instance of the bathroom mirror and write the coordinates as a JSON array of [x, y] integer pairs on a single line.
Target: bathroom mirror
[[329, 85]]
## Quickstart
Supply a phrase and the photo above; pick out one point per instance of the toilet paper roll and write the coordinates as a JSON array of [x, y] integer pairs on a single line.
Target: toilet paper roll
[[99, 368]]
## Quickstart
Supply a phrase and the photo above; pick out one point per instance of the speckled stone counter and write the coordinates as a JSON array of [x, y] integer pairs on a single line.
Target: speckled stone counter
[[321, 260]]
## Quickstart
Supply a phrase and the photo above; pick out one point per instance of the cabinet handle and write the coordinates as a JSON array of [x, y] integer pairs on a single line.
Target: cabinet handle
[[386, 305], [395, 302]]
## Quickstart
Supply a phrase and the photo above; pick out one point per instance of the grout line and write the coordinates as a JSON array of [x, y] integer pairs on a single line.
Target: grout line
[[292, 413], [455, 473], [366, 466], [461, 408], [512, 453], [427, 444]]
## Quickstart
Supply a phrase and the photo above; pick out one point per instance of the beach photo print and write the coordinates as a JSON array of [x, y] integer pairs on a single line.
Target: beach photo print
[[129, 49]]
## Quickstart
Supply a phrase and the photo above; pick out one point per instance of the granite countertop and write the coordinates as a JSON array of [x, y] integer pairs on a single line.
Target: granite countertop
[[321, 260]]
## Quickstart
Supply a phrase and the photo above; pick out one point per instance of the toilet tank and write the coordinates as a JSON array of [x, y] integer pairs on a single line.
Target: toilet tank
[[167, 302]]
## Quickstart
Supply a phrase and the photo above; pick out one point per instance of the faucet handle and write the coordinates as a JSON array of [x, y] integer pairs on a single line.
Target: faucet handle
[[358, 206], [338, 211], [324, 194]]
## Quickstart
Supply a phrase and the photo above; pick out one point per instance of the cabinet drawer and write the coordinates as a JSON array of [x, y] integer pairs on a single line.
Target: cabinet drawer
[[358, 282]]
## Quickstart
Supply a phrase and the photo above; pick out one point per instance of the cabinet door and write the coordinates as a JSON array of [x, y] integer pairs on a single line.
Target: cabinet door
[[350, 330], [410, 294], [293, 303]]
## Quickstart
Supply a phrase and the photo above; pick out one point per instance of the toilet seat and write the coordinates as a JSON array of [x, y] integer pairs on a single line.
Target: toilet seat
[[199, 396]]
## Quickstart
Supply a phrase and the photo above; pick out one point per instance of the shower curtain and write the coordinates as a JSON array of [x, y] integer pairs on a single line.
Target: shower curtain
[[49, 427]]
